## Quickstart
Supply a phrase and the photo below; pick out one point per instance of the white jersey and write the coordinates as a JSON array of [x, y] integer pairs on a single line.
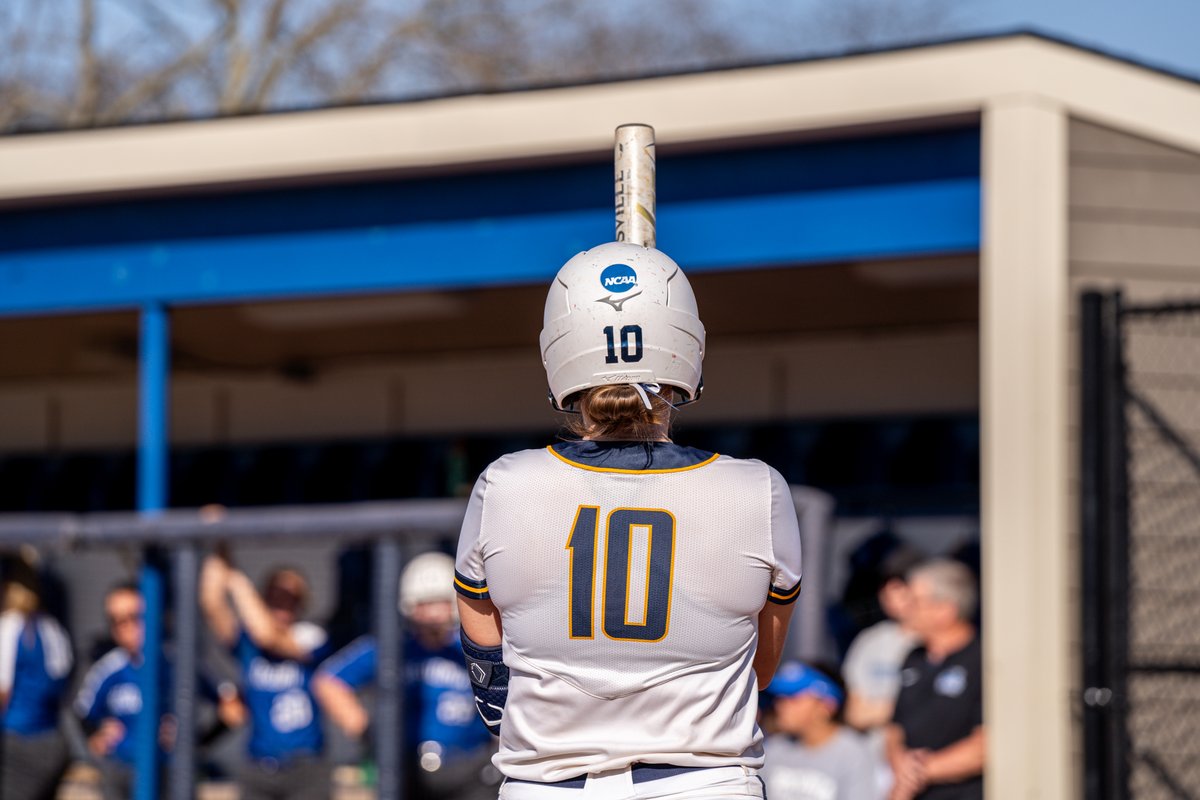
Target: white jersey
[[629, 579]]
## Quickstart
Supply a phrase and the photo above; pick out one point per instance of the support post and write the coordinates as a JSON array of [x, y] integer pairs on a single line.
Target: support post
[[389, 711], [1097, 694], [153, 400], [187, 634], [1114, 494], [1025, 518]]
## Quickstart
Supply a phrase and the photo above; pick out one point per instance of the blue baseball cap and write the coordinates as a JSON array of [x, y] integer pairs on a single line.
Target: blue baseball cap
[[794, 678]]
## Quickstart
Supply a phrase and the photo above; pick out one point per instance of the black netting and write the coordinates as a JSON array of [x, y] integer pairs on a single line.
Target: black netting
[[1162, 352]]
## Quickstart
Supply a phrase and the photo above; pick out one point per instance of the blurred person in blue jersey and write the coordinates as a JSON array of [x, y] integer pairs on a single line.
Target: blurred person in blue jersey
[[277, 654], [109, 702], [448, 752], [35, 661], [814, 756]]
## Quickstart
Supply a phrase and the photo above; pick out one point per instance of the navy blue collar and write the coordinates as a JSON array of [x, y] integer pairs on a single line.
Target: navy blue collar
[[631, 456]]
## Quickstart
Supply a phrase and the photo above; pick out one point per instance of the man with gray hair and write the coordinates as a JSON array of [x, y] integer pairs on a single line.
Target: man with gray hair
[[935, 743]]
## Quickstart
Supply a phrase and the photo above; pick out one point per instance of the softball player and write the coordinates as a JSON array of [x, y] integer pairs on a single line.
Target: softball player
[[623, 597]]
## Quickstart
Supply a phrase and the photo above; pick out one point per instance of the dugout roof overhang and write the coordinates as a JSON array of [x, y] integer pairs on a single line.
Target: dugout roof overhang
[[921, 86], [493, 174]]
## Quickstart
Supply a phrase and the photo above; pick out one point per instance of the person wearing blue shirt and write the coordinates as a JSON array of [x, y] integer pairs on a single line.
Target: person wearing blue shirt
[[35, 661], [450, 749], [109, 702], [276, 654]]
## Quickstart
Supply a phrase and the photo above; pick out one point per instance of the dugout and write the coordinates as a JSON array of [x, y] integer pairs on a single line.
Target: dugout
[[885, 249]]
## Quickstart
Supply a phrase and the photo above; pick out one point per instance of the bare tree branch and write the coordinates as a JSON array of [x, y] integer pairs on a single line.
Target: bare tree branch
[[87, 90], [156, 84], [128, 60], [339, 14]]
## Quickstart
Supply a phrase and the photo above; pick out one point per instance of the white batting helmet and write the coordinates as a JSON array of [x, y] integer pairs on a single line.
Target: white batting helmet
[[427, 578], [621, 313]]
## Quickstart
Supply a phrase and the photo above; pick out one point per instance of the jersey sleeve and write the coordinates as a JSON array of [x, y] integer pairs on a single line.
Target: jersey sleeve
[[785, 543], [312, 639], [354, 664], [56, 648], [244, 649], [469, 578], [90, 702], [11, 623], [905, 700]]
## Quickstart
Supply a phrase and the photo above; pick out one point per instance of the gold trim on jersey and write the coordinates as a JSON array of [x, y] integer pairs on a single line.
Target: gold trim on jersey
[[472, 589], [784, 596], [566, 460]]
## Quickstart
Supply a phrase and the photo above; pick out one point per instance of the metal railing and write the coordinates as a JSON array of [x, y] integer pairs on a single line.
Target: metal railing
[[172, 541]]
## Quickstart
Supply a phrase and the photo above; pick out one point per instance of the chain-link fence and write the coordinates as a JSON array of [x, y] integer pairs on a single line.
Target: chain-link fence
[[1141, 487]]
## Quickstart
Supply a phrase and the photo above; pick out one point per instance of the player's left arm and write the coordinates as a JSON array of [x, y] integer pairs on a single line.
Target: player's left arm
[[784, 588], [958, 761], [337, 679]]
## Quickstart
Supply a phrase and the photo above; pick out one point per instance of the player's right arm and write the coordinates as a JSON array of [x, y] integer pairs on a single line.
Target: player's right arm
[[482, 635], [480, 621]]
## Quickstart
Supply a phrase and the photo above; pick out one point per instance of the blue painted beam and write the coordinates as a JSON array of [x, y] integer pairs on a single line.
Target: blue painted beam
[[154, 375], [153, 402], [924, 218]]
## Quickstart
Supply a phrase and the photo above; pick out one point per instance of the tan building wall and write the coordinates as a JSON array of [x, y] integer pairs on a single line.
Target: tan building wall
[[1134, 224], [748, 380]]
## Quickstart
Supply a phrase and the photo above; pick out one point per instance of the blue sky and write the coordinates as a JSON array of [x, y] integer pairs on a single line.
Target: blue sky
[[1162, 33]]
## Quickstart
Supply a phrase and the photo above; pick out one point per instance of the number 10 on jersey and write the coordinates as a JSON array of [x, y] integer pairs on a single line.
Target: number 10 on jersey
[[621, 528]]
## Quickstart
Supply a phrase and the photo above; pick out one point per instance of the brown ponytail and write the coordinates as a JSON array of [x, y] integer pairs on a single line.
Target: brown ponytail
[[617, 412]]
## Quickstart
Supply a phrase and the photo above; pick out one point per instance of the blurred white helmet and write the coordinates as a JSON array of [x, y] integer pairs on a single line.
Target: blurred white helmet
[[621, 313], [427, 578]]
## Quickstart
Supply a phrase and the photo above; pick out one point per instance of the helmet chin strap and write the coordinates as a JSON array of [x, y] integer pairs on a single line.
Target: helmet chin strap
[[654, 389], [641, 389]]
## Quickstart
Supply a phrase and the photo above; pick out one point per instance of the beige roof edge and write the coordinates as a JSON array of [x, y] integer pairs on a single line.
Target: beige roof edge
[[927, 82]]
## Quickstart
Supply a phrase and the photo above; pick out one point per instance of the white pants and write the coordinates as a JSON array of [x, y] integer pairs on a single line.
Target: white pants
[[716, 783]]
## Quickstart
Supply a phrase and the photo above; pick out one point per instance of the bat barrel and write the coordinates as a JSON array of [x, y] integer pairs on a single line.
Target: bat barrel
[[634, 194]]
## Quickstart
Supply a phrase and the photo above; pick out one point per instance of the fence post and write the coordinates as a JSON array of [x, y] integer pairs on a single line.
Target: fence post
[[1104, 547], [183, 762], [1116, 550], [389, 711], [1097, 694]]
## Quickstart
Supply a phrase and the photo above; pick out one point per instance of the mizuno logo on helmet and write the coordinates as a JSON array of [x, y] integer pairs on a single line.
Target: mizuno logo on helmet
[[618, 278], [618, 303]]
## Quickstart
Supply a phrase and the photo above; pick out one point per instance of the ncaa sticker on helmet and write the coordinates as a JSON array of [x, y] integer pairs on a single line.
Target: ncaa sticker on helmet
[[621, 313]]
